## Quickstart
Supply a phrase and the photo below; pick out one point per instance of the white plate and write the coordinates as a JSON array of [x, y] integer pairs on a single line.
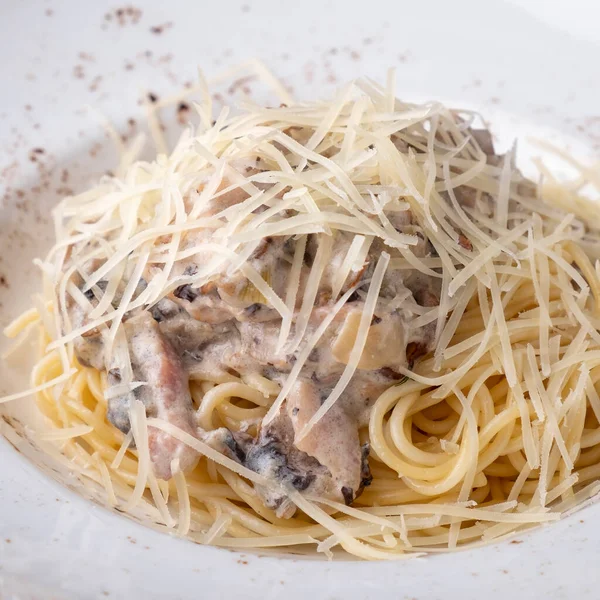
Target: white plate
[[529, 66]]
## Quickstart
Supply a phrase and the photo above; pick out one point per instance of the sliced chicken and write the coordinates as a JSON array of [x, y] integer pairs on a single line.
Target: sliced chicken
[[204, 348], [165, 394], [333, 441], [334, 466]]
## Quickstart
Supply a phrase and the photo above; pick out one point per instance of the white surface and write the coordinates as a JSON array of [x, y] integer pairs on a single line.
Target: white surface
[[531, 66]]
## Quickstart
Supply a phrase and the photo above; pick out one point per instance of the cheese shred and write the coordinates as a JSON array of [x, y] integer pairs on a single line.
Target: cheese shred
[[489, 422]]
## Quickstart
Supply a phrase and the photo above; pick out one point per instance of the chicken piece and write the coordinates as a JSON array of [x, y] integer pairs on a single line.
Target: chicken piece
[[333, 441], [329, 462], [204, 348], [275, 456], [165, 394], [89, 350]]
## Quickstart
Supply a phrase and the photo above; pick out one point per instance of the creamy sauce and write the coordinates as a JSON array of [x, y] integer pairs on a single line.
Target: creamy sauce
[[225, 326]]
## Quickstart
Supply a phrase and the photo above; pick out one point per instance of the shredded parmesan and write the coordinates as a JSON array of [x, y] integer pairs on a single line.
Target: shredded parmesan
[[139, 429], [369, 202]]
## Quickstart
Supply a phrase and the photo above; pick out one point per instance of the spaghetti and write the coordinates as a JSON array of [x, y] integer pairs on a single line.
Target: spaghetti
[[493, 428]]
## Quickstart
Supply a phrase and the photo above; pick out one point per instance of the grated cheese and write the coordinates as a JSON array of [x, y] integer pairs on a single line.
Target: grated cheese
[[516, 340], [139, 429]]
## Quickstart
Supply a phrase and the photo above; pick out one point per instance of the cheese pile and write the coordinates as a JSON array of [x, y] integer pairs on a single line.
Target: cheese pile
[[349, 164]]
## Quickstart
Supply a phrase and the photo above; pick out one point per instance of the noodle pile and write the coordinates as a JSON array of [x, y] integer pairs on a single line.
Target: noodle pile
[[496, 431]]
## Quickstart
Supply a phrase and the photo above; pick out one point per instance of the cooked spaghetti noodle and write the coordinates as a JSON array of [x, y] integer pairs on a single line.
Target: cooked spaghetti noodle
[[493, 429]]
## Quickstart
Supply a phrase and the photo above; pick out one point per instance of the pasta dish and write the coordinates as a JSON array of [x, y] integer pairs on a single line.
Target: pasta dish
[[349, 324]]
